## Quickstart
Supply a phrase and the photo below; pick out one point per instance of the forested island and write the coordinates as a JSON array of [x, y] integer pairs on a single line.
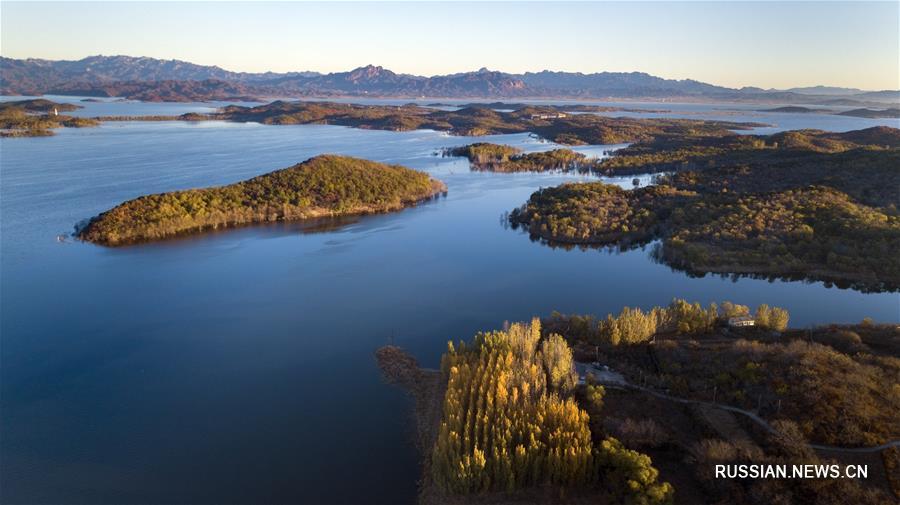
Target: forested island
[[554, 123], [890, 113], [521, 416], [549, 122], [563, 107], [323, 186], [797, 109], [38, 118], [503, 158], [805, 204]]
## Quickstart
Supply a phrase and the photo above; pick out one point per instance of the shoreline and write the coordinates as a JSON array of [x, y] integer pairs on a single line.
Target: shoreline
[[325, 186]]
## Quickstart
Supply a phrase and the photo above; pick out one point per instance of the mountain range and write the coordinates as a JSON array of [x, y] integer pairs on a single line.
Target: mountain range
[[153, 79]]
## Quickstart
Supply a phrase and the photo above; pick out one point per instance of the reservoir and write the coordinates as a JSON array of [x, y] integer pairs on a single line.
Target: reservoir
[[238, 366]]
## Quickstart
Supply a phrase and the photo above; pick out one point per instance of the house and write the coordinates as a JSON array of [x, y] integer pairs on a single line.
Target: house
[[558, 115], [741, 321]]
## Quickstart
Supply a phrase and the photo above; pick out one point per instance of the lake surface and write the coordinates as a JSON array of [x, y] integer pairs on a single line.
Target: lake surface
[[238, 366]]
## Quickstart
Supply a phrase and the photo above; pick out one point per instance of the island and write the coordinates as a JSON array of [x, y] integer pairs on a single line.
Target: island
[[38, 117], [323, 186], [587, 409], [803, 204], [564, 107], [484, 156], [549, 122], [890, 113], [797, 109]]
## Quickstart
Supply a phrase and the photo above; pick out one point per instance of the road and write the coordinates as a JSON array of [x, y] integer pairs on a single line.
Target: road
[[607, 377], [614, 379]]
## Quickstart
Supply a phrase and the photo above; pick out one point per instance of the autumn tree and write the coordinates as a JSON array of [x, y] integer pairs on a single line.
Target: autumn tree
[[559, 364]]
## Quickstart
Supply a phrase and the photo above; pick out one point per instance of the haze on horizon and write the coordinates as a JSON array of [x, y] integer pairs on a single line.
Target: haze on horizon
[[735, 44]]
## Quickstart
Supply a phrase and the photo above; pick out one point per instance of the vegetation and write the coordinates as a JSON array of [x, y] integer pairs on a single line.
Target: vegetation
[[796, 109], [502, 158], [890, 113], [795, 204], [787, 447], [635, 326], [515, 428], [478, 120], [38, 105], [485, 152], [183, 117], [326, 185], [37, 118], [688, 152], [836, 382], [510, 424], [551, 108]]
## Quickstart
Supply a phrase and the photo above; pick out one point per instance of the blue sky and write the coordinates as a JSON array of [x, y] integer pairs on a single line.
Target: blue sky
[[766, 44]]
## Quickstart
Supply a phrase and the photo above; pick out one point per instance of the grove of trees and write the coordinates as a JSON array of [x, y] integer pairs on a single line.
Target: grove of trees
[[635, 326], [510, 423], [326, 185], [796, 204]]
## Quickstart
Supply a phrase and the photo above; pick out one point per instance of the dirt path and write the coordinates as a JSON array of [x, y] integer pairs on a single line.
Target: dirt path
[[751, 415]]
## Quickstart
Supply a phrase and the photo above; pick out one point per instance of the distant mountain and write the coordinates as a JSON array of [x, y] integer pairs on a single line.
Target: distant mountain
[[36, 76], [161, 91], [129, 68], [174, 80], [853, 96], [825, 90], [620, 84], [483, 83], [884, 96], [368, 79]]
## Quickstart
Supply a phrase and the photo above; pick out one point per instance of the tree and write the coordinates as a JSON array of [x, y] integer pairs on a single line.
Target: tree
[[508, 425], [734, 310], [761, 318], [630, 476], [778, 319], [559, 364], [594, 395], [773, 318]]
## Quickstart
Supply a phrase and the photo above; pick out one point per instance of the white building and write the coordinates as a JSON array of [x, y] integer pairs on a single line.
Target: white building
[[741, 321], [558, 115]]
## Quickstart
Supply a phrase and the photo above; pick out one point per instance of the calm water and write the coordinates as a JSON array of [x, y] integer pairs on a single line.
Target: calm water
[[237, 367]]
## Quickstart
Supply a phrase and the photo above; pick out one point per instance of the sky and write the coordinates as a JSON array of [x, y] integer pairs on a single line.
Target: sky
[[735, 44]]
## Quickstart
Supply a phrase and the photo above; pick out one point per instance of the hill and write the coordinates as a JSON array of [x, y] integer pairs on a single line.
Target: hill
[[326, 185], [548, 122], [873, 114], [796, 109], [93, 76], [38, 118], [803, 204], [484, 156]]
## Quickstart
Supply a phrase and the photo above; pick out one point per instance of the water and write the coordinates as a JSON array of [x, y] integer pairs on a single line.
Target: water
[[738, 112], [97, 106], [238, 366]]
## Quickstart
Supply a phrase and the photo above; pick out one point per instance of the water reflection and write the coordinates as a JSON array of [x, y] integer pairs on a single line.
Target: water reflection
[[248, 352]]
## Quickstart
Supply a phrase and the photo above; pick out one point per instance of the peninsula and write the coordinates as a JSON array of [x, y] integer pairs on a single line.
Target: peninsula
[[805, 204], [608, 409], [505, 421], [549, 122], [489, 157], [889, 113], [37, 118], [323, 186]]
